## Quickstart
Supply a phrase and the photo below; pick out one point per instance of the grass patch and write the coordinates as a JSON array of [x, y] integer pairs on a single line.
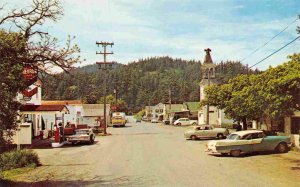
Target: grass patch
[[14, 173]]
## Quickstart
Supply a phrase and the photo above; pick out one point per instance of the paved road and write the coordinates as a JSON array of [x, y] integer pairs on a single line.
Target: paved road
[[146, 154]]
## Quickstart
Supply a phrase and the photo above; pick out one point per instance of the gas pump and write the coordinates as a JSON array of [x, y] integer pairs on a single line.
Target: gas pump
[[56, 134]]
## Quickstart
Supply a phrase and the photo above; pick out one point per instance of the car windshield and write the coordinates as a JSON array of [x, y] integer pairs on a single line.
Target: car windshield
[[233, 137]]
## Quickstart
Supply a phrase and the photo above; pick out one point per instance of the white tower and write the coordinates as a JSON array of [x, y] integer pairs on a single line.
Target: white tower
[[207, 113]]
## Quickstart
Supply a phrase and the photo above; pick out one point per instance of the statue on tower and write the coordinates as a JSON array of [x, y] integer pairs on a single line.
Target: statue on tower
[[208, 59]]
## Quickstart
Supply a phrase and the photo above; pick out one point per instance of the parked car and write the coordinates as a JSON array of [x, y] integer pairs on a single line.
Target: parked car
[[249, 141], [154, 120], [81, 135], [144, 118], [206, 131], [185, 121]]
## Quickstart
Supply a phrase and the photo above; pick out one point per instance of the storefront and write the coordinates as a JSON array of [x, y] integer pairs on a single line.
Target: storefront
[[42, 117]]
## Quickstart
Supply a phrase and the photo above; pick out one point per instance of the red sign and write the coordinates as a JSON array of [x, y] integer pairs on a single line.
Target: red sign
[[30, 93], [30, 72]]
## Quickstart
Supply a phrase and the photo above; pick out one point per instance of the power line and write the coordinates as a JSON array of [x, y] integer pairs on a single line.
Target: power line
[[269, 40], [275, 52]]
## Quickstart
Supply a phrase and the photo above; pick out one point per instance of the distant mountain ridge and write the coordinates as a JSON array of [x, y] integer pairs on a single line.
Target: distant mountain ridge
[[93, 68]]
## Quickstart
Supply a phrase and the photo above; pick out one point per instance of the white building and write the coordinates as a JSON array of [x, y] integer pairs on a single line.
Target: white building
[[91, 114], [74, 110], [155, 112]]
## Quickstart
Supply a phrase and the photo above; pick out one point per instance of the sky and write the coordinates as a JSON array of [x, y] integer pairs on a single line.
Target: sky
[[232, 29]]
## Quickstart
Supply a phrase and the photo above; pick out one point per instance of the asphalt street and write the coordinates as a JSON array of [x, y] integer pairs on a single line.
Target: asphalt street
[[145, 154]]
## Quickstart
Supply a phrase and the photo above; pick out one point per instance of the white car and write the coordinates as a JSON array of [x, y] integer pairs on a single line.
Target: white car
[[82, 135], [248, 141], [206, 131], [185, 121], [154, 120]]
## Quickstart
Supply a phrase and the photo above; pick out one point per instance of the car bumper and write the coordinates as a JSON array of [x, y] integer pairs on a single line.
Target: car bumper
[[78, 138], [210, 151], [213, 150]]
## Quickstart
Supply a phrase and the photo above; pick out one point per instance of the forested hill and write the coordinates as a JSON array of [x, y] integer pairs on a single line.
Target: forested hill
[[147, 80]]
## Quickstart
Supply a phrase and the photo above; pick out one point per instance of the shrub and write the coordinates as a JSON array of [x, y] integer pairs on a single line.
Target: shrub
[[17, 159]]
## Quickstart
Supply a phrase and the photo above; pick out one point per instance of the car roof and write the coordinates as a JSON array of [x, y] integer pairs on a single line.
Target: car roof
[[242, 133]]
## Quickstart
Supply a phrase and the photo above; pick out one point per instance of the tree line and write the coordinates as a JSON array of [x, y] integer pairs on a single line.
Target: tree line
[[139, 83]]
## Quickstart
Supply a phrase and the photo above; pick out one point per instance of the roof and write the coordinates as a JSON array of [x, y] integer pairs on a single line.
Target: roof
[[193, 106], [94, 110], [43, 107], [159, 105], [61, 102], [242, 133], [174, 108]]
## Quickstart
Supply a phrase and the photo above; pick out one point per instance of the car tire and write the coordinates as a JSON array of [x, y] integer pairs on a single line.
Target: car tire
[[220, 136], [92, 139], [194, 124], [193, 137], [235, 153], [178, 124], [281, 148], [224, 154]]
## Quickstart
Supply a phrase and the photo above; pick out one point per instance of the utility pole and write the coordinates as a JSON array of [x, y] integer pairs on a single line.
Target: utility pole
[[116, 100], [103, 65], [116, 93], [170, 101], [149, 104], [247, 69]]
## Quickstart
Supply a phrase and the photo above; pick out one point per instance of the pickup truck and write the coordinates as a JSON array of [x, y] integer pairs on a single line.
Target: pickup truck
[[206, 131], [185, 121]]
